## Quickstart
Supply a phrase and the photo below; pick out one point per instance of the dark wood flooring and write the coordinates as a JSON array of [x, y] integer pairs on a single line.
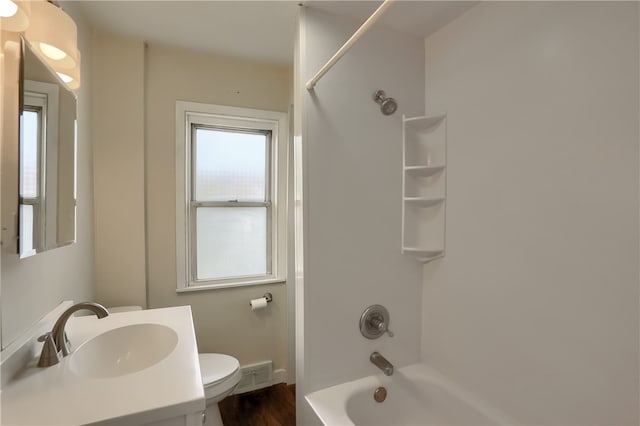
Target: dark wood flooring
[[272, 406]]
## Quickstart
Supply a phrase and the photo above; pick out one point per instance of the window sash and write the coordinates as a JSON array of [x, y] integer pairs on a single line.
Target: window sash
[[194, 242], [269, 155], [39, 109], [230, 204], [195, 204]]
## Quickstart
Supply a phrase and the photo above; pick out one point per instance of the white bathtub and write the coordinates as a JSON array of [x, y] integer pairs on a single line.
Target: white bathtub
[[417, 395]]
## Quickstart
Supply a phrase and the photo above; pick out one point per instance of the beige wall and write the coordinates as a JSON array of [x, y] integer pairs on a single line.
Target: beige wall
[[222, 317], [118, 164], [535, 305], [33, 286], [163, 75]]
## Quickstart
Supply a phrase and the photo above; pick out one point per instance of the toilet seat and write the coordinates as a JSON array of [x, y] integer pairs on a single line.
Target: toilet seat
[[220, 375], [215, 368]]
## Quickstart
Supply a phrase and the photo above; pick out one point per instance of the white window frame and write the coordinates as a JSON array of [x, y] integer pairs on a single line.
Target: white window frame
[[193, 113]]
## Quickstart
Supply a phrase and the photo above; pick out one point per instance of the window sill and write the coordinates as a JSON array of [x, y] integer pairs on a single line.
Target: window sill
[[206, 287]]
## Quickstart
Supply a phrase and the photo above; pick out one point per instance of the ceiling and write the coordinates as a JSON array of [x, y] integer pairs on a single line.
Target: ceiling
[[260, 30], [419, 18]]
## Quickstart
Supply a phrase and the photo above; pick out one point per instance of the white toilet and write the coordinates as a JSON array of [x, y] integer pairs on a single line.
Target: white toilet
[[220, 376]]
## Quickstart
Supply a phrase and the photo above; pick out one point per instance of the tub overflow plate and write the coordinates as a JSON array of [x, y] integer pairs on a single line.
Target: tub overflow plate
[[380, 394]]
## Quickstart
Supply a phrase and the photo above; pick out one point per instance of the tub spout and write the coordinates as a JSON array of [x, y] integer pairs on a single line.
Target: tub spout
[[381, 362]]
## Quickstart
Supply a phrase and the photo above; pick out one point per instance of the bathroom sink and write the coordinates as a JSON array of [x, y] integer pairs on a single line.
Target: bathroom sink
[[123, 350], [131, 368]]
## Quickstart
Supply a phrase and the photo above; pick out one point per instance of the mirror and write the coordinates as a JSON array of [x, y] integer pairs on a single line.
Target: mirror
[[47, 166]]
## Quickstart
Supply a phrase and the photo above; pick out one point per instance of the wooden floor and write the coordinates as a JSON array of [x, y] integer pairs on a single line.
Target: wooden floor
[[272, 406]]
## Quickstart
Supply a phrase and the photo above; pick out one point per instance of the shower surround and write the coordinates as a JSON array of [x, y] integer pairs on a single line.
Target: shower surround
[[534, 308], [352, 177]]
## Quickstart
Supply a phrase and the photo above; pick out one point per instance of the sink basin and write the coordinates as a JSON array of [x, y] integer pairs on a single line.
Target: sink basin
[[123, 350]]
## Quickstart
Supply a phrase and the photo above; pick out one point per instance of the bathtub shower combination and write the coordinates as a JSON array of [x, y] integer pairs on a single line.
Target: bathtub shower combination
[[415, 395]]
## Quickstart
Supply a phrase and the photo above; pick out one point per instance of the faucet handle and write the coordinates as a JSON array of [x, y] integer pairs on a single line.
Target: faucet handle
[[66, 342], [378, 322], [50, 354], [374, 322]]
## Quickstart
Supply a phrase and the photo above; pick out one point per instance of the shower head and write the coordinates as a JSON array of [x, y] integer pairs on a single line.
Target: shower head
[[387, 105]]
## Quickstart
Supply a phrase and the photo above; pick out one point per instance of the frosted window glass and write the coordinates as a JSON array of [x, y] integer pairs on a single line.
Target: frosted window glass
[[29, 155], [26, 228], [230, 165], [231, 242]]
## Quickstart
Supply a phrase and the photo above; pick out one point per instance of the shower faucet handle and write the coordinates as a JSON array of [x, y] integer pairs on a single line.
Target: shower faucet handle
[[374, 322], [378, 322]]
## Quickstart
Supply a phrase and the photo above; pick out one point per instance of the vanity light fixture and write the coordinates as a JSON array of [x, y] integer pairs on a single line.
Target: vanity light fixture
[[14, 15], [71, 77], [53, 35]]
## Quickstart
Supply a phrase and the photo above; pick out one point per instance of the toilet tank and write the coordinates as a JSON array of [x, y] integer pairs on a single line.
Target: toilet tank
[[116, 309]]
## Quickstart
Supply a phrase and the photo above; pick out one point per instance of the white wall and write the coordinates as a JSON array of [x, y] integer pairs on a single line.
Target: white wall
[[352, 200], [33, 286], [535, 306]]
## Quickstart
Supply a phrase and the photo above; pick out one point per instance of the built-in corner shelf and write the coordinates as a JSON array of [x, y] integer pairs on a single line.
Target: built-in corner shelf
[[423, 255], [424, 122], [424, 150], [423, 202], [423, 171]]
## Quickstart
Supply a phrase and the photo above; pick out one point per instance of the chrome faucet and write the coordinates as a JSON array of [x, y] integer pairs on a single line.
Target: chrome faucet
[[56, 344], [382, 363]]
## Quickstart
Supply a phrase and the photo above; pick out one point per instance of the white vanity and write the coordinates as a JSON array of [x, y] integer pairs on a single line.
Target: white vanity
[[130, 368]]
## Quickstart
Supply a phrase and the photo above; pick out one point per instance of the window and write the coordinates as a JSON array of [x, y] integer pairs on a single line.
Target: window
[[31, 179], [38, 139], [231, 189]]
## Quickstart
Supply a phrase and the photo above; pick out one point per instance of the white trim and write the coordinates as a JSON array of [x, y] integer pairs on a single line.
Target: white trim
[[300, 209], [204, 287], [291, 288], [188, 112]]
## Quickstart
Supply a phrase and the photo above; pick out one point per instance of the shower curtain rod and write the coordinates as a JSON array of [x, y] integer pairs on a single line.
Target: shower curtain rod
[[345, 47]]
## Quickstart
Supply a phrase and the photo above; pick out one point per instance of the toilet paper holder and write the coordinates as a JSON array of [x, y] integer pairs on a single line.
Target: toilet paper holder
[[261, 302]]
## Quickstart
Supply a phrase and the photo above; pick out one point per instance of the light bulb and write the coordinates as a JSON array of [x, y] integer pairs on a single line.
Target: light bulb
[[7, 8], [65, 77], [52, 52]]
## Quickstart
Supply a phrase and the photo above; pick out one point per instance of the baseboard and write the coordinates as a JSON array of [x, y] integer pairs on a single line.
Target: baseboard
[[279, 376]]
